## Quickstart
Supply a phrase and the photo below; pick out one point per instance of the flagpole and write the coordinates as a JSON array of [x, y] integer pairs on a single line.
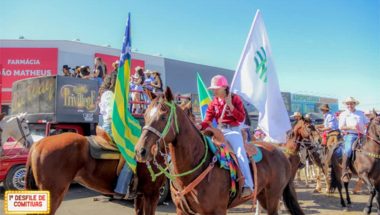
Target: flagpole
[[245, 45]]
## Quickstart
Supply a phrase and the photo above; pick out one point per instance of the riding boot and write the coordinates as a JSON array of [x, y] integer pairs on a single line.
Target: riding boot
[[345, 168]]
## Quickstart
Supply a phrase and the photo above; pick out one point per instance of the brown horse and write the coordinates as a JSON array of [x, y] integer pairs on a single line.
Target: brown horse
[[299, 135], [367, 163], [168, 128], [56, 161]]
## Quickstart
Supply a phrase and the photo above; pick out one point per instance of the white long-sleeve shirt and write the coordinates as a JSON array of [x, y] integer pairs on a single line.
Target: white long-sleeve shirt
[[355, 119], [106, 106]]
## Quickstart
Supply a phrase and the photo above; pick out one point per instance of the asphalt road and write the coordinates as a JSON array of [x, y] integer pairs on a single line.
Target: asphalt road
[[81, 201]]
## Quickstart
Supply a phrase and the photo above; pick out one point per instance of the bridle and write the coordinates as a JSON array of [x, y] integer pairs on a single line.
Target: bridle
[[171, 124], [376, 140]]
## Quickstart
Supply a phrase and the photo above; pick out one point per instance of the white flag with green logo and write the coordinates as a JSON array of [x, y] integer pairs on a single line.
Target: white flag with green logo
[[256, 81]]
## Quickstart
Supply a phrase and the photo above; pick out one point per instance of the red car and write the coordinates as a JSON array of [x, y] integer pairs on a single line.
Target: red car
[[14, 156]]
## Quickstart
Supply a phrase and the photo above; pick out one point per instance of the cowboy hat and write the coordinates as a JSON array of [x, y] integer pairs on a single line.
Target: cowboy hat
[[148, 72], [350, 100], [296, 114], [324, 107]]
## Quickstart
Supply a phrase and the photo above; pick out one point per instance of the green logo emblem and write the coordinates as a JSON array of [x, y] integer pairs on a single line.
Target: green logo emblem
[[261, 64]]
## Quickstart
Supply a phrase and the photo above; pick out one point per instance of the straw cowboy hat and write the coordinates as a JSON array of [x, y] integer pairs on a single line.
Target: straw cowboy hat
[[147, 72], [324, 107], [350, 100], [296, 114]]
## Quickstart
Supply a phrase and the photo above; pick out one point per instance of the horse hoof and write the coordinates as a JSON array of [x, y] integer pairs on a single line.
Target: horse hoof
[[345, 209], [366, 211], [316, 191]]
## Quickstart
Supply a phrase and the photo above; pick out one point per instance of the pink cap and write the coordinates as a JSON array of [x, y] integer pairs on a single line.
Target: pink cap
[[218, 81]]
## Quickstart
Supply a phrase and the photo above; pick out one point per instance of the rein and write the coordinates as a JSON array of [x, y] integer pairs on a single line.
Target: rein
[[373, 139], [162, 135]]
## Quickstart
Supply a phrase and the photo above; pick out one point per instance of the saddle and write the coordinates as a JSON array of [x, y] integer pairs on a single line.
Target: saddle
[[217, 137], [254, 154], [102, 147]]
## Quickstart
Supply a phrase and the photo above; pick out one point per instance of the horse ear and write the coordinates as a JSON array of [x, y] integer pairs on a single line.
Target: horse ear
[[188, 105], [150, 94], [374, 112], [168, 94]]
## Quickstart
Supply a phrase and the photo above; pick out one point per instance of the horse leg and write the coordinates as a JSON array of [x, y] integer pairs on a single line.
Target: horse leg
[[318, 188], [342, 203], [262, 199], [372, 193], [257, 212], [139, 204], [358, 186], [307, 173], [150, 203], [327, 180], [272, 203], [348, 199], [56, 195], [378, 198]]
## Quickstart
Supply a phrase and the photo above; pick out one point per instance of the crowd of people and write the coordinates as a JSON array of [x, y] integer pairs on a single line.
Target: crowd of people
[[143, 80], [98, 73]]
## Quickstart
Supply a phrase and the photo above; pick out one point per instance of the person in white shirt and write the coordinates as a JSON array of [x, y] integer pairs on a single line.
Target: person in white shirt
[[106, 104], [352, 123]]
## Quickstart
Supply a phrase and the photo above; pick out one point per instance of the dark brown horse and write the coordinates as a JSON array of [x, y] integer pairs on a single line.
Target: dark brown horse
[[366, 166], [367, 162], [168, 128]]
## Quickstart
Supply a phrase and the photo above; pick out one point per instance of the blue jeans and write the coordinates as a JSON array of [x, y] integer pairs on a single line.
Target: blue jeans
[[124, 180], [126, 173], [349, 139], [234, 137]]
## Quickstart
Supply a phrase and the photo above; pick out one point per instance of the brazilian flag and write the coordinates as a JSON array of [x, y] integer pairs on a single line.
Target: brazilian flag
[[126, 129], [204, 98]]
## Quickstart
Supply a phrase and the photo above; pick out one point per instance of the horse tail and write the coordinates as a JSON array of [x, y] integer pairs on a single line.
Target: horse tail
[[334, 178], [30, 182], [289, 196]]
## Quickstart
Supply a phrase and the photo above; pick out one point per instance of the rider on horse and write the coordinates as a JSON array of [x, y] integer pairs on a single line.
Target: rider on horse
[[329, 127], [352, 123], [229, 112], [296, 116], [106, 107]]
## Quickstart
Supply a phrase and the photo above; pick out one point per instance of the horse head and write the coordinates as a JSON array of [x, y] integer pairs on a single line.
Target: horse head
[[373, 130], [301, 133], [161, 127], [16, 127]]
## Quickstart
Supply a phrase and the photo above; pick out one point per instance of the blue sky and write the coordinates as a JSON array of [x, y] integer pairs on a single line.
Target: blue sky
[[325, 47]]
